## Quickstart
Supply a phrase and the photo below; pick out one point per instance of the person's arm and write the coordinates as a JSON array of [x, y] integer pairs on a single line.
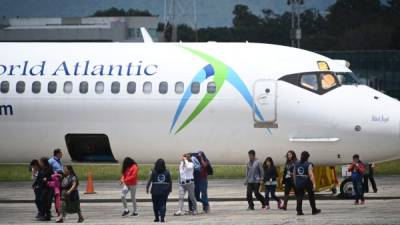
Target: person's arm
[[275, 173], [189, 165], [351, 167], [170, 182], [73, 187], [203, 162], [311, 173], [149, 182], [260, 168]]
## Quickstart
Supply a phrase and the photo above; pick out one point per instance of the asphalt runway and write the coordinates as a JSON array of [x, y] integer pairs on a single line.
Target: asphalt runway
[[228, 207]]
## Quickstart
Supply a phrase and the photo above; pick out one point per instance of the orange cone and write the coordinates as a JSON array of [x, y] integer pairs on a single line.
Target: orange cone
[[89, 185]]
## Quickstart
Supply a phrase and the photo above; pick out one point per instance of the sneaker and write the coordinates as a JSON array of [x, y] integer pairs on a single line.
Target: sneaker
[[362, 202], [135, 214], [279, 205], [162, 220], [80, 220], [375, 191], [283, 208], [178, 213], [156, 220], [194, 212], [317, 211], [356, 202], [126, 212], [300, 213], [250, 208]]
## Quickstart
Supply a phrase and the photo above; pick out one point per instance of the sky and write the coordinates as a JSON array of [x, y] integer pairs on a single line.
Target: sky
[[210, 13]]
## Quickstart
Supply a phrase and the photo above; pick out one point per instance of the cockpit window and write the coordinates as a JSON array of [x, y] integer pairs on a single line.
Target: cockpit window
[[309, 81], [347, 78], [317, 82], [327, 81]]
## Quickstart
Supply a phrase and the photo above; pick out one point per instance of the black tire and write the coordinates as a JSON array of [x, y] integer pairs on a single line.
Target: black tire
[[346, 188]]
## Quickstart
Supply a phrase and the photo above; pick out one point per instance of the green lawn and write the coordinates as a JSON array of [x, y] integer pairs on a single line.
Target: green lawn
[[18, 172]]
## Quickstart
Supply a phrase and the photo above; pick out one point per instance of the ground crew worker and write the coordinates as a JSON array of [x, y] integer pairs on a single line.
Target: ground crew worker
[[305, 181], [369, 175]]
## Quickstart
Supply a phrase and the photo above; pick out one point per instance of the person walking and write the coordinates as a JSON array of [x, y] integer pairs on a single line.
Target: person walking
[[270, 175], [305, 181], [45, 192], [205, 170], [196, 176], [35, 168], [186, 184], [70, 195], [288, 179], [254, 177], [55, 184], [161, 186], [369, 175], [129, 177], [357, 169]]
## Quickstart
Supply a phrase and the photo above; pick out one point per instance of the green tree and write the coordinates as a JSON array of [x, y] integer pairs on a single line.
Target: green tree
[[121, 12]]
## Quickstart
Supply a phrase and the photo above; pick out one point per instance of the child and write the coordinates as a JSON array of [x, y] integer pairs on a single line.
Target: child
[[270, 175], [357, 169], [55, 183]]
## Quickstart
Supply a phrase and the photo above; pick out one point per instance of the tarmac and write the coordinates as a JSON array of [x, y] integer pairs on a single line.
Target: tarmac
[[227, 201]]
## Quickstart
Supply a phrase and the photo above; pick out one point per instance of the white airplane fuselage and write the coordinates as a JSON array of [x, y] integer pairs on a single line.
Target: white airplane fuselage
[[252, 107]]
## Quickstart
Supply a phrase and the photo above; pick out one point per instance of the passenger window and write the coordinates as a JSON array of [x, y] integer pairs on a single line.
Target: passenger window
[[327, 81], [52, 87], [5, 87], [309, 81], [163, 89], [147, 87], [211, 87], [131, 88], [99, 88], [115, 87], [83, 87], [179, 87], [20, 87], [36, 87], [68, 87], [195, 88]]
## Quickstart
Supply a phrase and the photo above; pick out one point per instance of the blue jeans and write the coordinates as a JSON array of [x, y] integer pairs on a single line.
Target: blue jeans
[[358, 188], [270, 189], [200, 192]]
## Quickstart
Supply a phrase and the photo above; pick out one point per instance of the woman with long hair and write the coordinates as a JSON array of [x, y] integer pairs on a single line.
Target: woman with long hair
[[288, 178], [70, 195], [161, 185], [270, 175], [128, 179]]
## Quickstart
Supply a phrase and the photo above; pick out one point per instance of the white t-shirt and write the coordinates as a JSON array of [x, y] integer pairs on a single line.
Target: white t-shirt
[[186, 170]]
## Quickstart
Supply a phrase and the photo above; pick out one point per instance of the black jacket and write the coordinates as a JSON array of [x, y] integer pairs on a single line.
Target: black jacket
[[270, 173]]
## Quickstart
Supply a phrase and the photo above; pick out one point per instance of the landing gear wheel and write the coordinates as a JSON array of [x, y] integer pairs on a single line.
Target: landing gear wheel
[[346, 188]]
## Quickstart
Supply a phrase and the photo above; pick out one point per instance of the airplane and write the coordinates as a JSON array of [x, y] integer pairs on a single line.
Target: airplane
[[101, 102]]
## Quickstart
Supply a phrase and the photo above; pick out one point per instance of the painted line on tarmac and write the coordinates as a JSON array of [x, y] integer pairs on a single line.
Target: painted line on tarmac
[[321, 197]]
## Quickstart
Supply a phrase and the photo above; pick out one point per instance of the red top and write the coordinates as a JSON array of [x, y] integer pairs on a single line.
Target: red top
[[130, 175]]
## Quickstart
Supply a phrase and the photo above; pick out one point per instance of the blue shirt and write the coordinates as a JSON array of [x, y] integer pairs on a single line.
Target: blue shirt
[[56, 164]]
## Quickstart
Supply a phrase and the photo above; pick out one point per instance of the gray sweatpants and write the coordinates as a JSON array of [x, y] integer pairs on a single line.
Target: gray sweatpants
[[125, 190], [183, 188]]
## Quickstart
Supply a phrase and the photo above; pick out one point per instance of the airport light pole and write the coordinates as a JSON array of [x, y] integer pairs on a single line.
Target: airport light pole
[[295, 32]]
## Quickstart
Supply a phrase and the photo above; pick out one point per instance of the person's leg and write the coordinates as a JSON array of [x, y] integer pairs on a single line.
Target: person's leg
[[361, 192], [182, 191], [37, 201], [204, 194], [273, 195], [373, 183], [267, 192], [288, 187], [249, 196], [49, 198], [299, 198], [192, 197], [163, 206], [311, 196], [133, 197], [356, 191], [124, 192], [154, 200], [366, 186], [259, 196]]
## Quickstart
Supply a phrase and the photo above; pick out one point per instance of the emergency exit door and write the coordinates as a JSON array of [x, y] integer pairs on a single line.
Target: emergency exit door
[[265, 104]]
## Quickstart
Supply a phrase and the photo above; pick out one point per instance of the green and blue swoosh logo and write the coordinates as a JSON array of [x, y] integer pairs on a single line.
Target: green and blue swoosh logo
[[220, 73]]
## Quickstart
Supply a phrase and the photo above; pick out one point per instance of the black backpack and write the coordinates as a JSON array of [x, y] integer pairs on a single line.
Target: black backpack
[[210, 170]]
